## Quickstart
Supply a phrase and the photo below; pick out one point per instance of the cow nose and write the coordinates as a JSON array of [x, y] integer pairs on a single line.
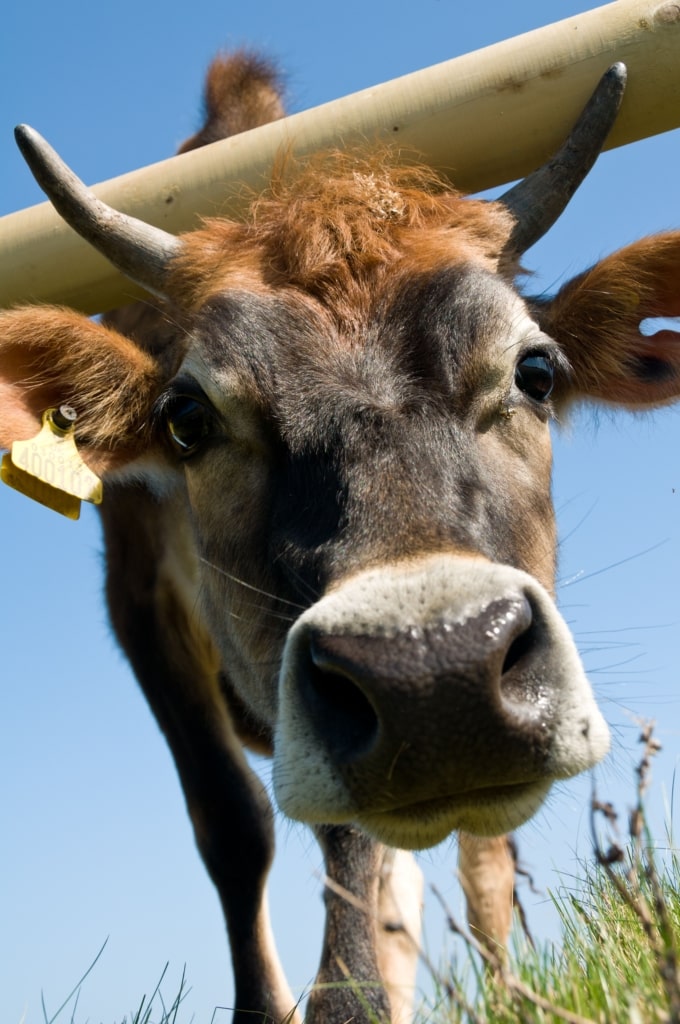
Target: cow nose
[[443, 693], [369, 696]]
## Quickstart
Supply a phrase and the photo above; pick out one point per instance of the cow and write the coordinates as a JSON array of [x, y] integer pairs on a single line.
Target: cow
[[325, 447]]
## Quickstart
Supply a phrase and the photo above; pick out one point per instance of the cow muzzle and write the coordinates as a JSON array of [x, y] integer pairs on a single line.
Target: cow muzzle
[[421, 698]]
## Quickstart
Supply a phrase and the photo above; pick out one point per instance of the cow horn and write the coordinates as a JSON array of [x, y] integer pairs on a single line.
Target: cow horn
[[142, 252], [538, 200]]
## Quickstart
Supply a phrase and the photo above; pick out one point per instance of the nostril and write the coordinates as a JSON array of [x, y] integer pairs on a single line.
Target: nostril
[[518, 649], [341, 713], [521, 692]]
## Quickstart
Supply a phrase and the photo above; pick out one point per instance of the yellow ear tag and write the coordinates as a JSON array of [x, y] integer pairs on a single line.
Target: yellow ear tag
[[49, 468]]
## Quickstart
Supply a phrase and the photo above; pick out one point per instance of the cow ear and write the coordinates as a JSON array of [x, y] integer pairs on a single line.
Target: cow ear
[[51, 357], [597, 319]]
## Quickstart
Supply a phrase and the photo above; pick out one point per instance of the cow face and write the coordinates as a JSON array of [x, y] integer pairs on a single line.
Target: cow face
[[391, 482]]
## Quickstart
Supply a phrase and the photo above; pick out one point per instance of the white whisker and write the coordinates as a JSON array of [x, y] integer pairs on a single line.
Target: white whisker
[[250, 586], [301, 583]]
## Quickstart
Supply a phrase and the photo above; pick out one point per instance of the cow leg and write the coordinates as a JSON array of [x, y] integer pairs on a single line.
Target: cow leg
[[400, 905], [487, 873], [348, 984], [179, 674], [233, 825]]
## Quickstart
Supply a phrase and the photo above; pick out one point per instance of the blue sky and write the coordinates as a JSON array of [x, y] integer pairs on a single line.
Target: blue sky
[[95, 842]]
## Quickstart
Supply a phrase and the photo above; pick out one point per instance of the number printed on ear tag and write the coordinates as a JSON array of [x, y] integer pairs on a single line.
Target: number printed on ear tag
[[49, 469]]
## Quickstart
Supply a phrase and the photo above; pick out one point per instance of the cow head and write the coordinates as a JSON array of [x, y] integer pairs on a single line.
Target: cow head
[[347, 403]]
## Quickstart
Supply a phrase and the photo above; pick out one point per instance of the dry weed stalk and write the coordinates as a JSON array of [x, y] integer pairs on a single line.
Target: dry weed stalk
[[632, 874]]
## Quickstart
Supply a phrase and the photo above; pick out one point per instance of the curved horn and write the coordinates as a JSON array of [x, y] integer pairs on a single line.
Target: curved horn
[[538, 200], [141, 251]]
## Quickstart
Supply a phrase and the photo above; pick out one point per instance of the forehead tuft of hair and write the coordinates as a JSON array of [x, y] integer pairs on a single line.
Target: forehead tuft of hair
[[337, 226]]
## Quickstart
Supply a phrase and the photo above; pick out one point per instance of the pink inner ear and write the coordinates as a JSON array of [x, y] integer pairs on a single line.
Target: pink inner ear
[[17, 422], [660, 339], [649, 374], [664, 346]]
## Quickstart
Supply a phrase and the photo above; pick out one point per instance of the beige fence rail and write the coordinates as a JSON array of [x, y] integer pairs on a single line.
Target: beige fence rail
[[484, 118]]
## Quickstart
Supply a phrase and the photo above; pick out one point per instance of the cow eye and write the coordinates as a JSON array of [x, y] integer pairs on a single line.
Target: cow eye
[[535, 376], [188, 423]]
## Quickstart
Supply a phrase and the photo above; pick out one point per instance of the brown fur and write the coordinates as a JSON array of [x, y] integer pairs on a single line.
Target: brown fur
[[54, 356], [336, 227], [487, 873], [242, 91]]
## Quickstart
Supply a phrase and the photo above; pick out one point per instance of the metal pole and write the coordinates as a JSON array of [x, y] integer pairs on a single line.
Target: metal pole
[[483, 119]]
